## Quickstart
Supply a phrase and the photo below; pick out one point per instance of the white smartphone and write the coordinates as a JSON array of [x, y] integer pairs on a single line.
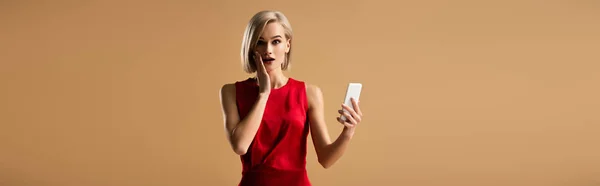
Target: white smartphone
[[353, 91]]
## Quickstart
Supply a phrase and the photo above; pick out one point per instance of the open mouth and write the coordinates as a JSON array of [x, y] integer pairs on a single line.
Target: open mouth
[[268, 60]]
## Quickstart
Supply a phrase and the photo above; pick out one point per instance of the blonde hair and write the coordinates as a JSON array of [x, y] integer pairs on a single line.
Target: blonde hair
[[253, 31]]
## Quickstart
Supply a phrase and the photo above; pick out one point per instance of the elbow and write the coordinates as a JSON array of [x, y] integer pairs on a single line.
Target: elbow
[[325, 164], [237, 146], [240, 151]]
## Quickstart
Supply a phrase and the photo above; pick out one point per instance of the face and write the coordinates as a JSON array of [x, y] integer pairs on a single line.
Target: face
[[273, 46]]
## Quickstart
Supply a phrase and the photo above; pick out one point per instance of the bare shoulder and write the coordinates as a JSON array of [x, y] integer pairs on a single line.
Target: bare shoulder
[[228, 87], [312, 90], [313, 94], [227, 90]]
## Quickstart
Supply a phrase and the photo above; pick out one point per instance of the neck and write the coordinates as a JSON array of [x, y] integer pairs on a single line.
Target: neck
[[278, 79]]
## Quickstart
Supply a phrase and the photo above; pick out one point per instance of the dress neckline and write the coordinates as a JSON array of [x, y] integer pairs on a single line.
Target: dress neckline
[[255, 83]]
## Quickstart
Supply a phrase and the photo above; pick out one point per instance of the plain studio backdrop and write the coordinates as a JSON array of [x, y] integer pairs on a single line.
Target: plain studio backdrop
[[461, 93]]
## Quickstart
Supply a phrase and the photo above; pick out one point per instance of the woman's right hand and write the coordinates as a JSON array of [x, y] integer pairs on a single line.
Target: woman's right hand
[[262, 75]]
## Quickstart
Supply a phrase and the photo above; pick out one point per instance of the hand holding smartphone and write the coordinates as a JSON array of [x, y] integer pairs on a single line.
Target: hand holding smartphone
[[353, 91]]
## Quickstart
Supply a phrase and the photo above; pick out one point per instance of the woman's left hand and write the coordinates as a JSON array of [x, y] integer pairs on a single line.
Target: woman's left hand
[[353, 116]]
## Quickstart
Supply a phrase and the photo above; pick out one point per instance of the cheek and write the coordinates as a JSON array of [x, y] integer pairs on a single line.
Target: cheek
[[281, 49], [282, 54], [260, 48]]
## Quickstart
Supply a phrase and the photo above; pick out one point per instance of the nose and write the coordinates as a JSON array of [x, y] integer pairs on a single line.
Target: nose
[[269, 49]]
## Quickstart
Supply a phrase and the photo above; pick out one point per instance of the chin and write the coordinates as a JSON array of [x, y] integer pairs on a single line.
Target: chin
[[269, 70], [271, 67]]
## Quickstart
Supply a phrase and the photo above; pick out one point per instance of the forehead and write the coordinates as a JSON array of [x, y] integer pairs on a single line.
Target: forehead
[[272, 29]]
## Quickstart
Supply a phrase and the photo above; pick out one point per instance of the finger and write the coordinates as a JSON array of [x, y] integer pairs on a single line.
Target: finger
[[349, 125], [349, 118], [357, 118], [259, 63], [352, 112], [257, 57], [339, 119], [356, 107], [342, 121]]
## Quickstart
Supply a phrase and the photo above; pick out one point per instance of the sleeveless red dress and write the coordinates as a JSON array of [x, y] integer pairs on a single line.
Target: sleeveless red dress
[[277, 155]]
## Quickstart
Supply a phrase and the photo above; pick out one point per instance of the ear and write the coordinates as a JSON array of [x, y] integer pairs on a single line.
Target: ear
[[288, 45]]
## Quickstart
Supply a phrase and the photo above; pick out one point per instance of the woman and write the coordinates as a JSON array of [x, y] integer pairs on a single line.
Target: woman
[[268, 117]]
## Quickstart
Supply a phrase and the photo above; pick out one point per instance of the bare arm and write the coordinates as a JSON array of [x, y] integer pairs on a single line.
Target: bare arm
[[240, 133], [328, 152]]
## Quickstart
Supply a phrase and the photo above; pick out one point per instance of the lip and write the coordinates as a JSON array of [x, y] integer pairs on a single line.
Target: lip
[[268, 59]]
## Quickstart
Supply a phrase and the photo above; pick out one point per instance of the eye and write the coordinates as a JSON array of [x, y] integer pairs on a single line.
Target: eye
[[277, 41], [260, 43]]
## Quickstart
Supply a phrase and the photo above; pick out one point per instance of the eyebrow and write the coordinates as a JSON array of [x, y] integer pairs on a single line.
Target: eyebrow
[[272, 37]]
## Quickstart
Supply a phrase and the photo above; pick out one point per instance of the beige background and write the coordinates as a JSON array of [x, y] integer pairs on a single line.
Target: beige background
[[465, 93]]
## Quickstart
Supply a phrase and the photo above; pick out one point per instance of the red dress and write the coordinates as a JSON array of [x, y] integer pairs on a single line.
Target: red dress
[[277, 155]]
